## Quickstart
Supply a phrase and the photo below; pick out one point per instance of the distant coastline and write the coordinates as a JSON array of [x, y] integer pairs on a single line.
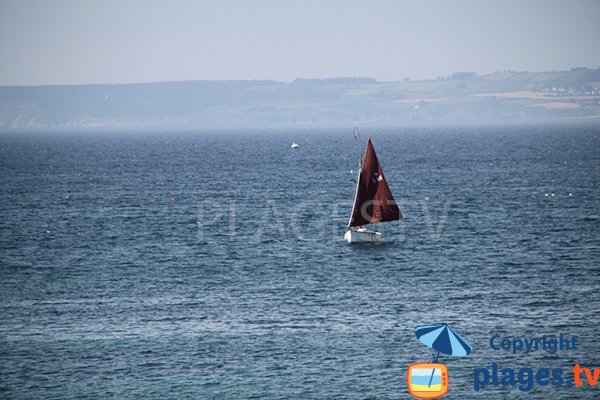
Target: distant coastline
[[463, 97]]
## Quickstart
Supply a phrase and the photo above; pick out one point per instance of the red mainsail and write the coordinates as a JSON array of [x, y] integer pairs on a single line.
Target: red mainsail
[[373, 201]]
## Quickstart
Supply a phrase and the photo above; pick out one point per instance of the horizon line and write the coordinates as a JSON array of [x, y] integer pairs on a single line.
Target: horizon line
[[407, 79]]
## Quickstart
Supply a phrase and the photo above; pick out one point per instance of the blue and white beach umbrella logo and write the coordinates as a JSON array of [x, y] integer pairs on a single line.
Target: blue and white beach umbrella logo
[[444, 340], [431, 380]]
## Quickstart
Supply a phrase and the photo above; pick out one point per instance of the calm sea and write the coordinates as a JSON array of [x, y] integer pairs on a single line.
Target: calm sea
[[211, 265]]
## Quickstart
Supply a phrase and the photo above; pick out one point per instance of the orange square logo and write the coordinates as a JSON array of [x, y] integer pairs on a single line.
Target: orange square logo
[[427, 380]]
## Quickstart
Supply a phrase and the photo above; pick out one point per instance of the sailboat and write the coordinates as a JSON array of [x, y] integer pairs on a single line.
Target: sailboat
[[373, 200]]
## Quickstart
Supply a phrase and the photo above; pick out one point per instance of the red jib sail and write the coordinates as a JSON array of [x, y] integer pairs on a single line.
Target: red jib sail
[[373, 201]]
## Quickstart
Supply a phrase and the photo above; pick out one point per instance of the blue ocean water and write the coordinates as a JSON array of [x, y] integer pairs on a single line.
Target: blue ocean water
[[211, 265]]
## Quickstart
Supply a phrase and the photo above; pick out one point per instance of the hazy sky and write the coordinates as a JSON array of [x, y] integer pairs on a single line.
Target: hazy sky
[[117, 41]]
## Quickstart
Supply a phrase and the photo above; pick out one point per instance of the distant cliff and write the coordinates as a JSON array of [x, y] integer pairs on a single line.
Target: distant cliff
[[460, 97]]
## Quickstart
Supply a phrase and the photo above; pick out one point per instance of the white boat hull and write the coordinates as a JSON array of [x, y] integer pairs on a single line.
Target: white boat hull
[[361, 235]]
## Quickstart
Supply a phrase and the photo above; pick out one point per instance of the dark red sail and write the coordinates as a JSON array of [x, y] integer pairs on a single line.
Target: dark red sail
[[374, 201]]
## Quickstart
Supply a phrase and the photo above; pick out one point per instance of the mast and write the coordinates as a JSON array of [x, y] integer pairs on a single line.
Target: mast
[[356, 192]]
